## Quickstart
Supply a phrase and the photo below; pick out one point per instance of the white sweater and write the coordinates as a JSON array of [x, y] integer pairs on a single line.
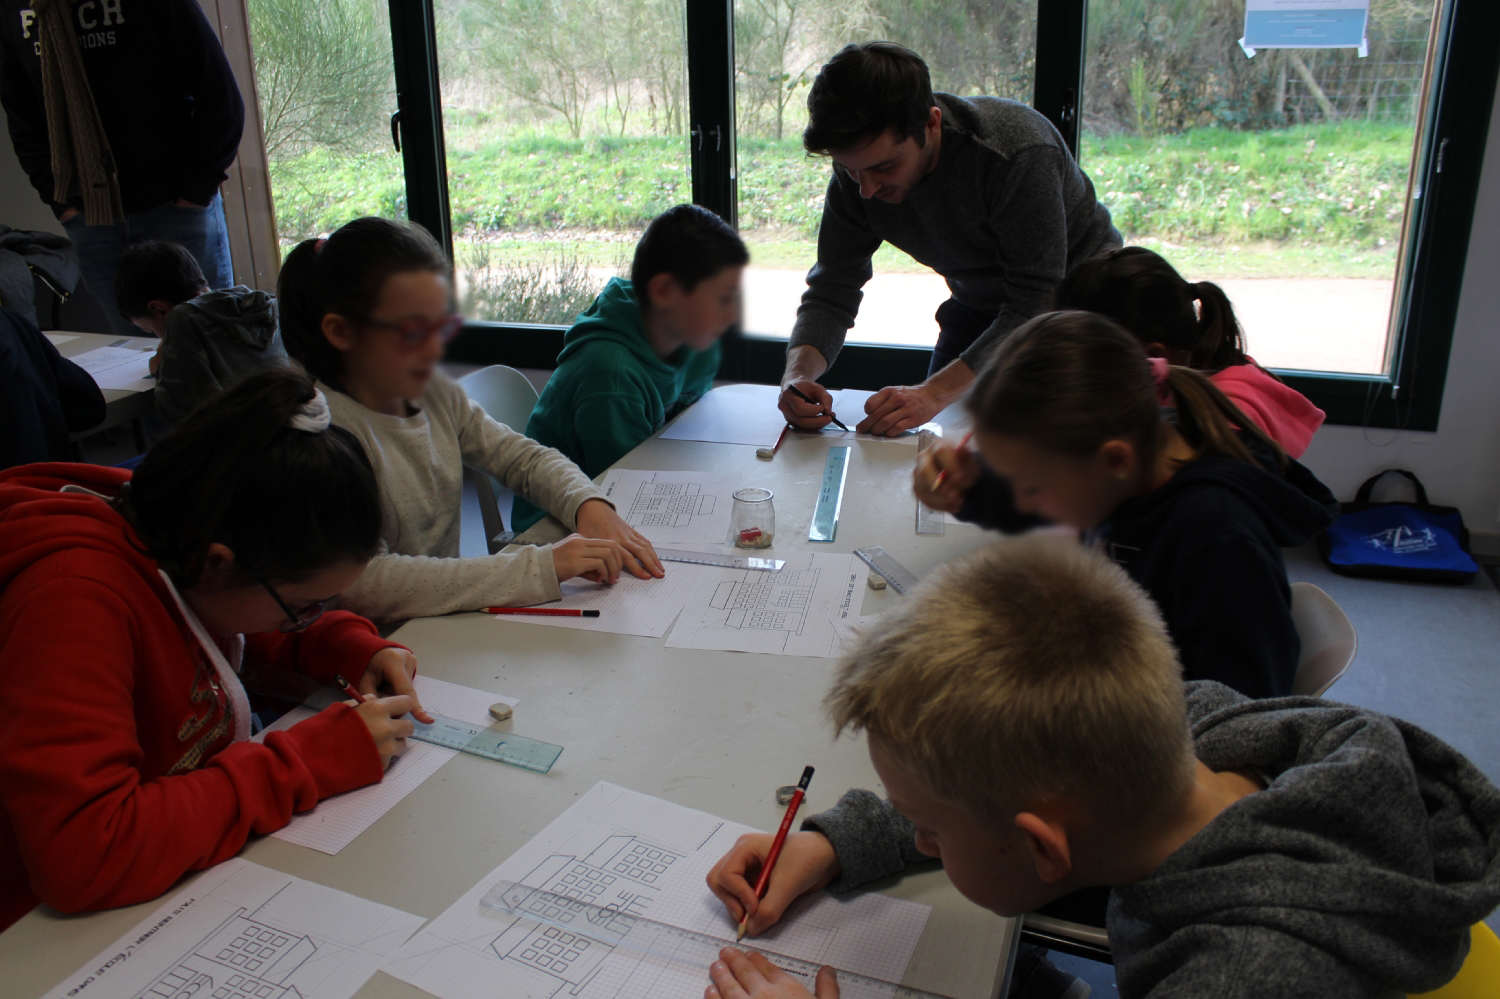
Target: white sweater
[[418, 462]]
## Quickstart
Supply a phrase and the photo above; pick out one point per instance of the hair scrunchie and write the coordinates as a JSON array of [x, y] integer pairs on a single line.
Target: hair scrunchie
[[318, 246], [313, 416], [1159, 368]]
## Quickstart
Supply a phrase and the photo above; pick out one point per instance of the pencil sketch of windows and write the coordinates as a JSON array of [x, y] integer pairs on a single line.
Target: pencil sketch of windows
[[777, 603], [669, 504], [240, 959]]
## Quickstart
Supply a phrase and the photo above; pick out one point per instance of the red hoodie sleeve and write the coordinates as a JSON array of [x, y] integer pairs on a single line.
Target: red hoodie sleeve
[[339, 642], [91, 831]]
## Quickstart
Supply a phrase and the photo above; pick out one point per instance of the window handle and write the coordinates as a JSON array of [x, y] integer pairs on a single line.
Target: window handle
[[396, 130]]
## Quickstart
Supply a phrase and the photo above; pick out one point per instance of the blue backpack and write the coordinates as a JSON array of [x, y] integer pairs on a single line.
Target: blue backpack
[[1398, 540]]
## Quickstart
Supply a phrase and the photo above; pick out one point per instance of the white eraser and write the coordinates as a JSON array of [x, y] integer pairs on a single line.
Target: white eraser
[[501, 711], [876, 581]]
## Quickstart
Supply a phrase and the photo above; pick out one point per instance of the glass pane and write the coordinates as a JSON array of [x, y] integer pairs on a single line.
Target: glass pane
[[327, 89], [1283, 177], [565, 123], [971, 48]]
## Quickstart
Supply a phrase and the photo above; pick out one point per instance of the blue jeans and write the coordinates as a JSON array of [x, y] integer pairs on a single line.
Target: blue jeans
[[202, 230]]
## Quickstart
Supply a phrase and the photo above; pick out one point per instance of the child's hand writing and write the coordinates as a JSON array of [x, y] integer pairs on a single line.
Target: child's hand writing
[[738, 975], [383, 716], [395, 668], [597, 519], [962, 470], [807, 863]]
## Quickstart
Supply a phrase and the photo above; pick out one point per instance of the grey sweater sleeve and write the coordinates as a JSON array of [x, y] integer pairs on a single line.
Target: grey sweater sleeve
[[870, 838], [1027, 213], [845, 246]]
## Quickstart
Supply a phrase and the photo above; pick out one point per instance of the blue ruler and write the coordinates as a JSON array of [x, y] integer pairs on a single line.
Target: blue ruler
[[504, 747], [825, 520]]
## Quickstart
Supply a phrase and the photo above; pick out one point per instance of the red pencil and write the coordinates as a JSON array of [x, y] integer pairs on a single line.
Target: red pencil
[[543, 611], [764, 881], [349, 688], [937, 483]]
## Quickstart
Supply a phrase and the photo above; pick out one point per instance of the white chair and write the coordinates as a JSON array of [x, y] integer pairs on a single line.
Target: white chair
[[508, 397], [1328, 640]]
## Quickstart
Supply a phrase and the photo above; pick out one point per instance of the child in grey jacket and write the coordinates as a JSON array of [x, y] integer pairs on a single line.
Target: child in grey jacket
[[1026, 715], [210, 340]]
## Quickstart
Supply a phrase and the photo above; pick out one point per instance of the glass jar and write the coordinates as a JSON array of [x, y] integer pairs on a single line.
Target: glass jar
[[752, 523]]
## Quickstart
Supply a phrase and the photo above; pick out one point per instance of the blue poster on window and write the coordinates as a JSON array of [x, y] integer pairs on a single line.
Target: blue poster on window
[[1305, 24]]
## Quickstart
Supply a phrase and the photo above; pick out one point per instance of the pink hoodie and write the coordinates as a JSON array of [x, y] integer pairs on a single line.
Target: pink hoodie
[[1287, 416]]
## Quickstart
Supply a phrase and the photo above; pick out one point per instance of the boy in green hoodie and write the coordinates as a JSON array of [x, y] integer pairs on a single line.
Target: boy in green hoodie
[[646, 349]]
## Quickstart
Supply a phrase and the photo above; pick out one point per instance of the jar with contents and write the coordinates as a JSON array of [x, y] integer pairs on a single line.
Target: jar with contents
[[752, 523]]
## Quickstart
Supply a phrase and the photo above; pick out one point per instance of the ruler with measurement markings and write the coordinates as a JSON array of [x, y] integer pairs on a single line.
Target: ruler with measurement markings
[[477, 740], [725, 561], [884, 563], [825, 520], [673, 945], [929, 521]]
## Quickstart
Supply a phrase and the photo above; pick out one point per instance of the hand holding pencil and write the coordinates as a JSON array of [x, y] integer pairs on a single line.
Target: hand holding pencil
[[944, 475], [805, 863]]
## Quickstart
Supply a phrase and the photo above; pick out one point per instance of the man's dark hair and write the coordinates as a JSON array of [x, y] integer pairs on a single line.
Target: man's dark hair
[[156, 270], [688, 242], [863, 92]]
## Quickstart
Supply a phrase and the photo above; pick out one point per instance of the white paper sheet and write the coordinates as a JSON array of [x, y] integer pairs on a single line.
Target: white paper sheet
[[334, 822], [645, 607], [58, 338], [118, 367], [648, 858], [788, 613], [242, 931], [674, 507], [747, 414]]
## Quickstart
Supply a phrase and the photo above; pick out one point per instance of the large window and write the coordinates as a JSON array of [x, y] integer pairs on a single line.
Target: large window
[[971, 48], [1331, 194], [1283, 177]]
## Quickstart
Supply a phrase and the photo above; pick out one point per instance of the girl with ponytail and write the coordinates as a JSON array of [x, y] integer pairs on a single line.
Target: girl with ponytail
[[1191, 325], [126, 607], [1076, 426], [367, 312]]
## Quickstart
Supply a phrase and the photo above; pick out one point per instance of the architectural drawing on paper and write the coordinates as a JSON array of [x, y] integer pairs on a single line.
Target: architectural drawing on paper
[[669, 504], [240, 959], [600, 892], [764, 601]]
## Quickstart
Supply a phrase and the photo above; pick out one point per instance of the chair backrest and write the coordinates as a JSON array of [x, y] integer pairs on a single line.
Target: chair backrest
[[1479, 978], [508, 397], [1328, 640], [504, 393]]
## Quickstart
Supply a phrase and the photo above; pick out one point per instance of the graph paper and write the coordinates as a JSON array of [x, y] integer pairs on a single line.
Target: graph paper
[[642, 856]]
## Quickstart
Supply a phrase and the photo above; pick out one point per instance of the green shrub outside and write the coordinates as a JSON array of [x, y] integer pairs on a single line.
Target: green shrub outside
[[1317, 188]]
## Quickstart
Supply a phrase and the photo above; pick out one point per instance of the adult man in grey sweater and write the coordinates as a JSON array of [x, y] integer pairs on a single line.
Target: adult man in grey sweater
[[982, 190]]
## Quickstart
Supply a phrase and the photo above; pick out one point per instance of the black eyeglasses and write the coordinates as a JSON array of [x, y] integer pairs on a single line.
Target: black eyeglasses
[[295, 620]]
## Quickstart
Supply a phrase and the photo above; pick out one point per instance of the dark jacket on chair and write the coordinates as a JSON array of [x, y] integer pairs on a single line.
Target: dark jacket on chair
[[43, 396]]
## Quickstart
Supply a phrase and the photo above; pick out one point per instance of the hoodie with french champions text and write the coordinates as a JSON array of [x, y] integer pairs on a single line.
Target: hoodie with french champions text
[[167, 99]]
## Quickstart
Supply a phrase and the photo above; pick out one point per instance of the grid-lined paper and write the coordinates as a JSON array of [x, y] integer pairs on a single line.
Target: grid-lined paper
[[242, 931], [334, 822], [640, 855]]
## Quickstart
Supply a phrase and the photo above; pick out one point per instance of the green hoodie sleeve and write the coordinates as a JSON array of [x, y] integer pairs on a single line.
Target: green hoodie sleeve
[[608, 425]]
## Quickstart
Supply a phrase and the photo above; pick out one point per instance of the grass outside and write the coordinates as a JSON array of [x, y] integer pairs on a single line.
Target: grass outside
[[1322, 200]]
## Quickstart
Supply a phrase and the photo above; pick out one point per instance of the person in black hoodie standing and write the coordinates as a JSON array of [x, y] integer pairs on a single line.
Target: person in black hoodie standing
[[169, 120], [1076, 426]]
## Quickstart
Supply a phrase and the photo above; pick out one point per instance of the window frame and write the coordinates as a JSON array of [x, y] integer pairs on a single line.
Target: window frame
[[1448, 165]]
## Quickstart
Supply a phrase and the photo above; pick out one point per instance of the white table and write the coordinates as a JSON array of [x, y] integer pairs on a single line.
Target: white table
[[717, 731], [120, 405]]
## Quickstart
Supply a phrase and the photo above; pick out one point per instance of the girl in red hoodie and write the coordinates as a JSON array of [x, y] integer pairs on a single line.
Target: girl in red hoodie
[[126, 607], [1192, 325]]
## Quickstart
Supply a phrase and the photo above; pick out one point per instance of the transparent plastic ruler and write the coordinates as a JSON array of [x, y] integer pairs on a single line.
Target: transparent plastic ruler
[[727, 561], [929, 521], [668, 944], [825, 520], [883, 562], [504, 747]]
